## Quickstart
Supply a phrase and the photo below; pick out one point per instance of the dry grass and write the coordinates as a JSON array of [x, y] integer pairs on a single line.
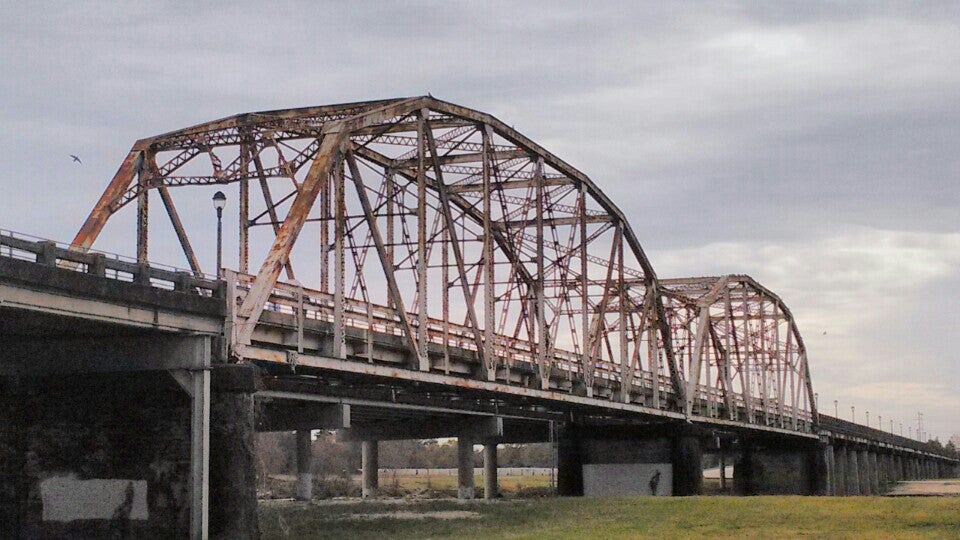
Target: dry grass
[[692, 517]]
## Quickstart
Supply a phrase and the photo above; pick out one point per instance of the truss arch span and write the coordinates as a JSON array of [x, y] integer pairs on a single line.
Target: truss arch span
[[430, 221]]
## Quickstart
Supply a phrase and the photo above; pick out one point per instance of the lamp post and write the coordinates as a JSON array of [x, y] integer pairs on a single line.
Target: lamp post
[[836, 413], [219, 201], [853, 413]]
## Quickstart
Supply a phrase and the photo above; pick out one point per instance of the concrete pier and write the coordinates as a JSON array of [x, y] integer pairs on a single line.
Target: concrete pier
[[490, 487], [369, 464], [769, 468], [304, 465], [687, 464], [233, 479], [853, 471], [464, 468], [863, 461], [839, 470], [874, 473], [569, 461]]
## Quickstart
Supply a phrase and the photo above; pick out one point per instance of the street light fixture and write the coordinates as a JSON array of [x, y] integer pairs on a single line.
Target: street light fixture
[[219, 202], [836, 413]]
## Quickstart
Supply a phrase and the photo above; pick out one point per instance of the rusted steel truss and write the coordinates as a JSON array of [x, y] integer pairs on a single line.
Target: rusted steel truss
[[445, 226]]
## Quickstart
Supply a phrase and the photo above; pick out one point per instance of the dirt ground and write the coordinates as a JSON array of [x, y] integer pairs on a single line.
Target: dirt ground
[[927, 488]]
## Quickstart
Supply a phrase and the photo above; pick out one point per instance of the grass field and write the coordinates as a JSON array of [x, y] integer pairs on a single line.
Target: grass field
[[655, 517]]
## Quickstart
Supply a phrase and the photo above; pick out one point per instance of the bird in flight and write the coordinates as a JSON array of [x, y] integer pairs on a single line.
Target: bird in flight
[[75, 158]]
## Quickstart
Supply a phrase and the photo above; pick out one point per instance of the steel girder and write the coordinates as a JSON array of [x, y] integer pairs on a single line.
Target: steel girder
[[461, 226]]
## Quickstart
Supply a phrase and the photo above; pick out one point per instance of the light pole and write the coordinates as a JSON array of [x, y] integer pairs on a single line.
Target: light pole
[[868, 418], [836, 413], [853, 413], [219, 201], [879, 422]]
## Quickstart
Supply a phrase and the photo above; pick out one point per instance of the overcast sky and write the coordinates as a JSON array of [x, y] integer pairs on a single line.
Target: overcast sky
[[814, 146]]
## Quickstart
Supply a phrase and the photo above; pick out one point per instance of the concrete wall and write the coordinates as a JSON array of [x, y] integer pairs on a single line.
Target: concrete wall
[[92, 456], [625, 479], [108, 456], [597, 461], [772, 469]]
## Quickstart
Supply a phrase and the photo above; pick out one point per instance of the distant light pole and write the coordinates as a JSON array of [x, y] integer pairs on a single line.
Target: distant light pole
[[891, 426], [836, 414], [880, 422], [853, 413], [901, 429], [219, 201], [868, 418]]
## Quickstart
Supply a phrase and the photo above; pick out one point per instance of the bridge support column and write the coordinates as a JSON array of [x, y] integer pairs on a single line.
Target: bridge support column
[[600, 461], [232, 453], [490, 487], [777, 469], [891, 471], [464, 467], [687, 464], [370, 467], [825, 483], [863, 460], [304, 465], [874, 473], [853, 471], [839, 470], [885, 480], [569, 461]]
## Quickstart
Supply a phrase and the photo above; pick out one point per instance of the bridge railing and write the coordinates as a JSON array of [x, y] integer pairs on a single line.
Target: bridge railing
[[374, 318], [852, 429], [24, 247]]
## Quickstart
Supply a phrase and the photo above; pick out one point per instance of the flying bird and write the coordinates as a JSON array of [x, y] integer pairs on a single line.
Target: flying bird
[[75, 158]]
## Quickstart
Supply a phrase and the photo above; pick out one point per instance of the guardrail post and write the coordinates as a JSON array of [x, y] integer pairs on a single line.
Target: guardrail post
[[142, 276], [97, 265], [182, 284], [48, 253]]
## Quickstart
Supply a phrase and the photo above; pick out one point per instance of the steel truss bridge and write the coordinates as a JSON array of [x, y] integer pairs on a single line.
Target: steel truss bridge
[[490, 259], [411, 268]]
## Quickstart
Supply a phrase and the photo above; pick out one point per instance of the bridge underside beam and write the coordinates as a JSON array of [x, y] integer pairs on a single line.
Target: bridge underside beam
[[34, 357]]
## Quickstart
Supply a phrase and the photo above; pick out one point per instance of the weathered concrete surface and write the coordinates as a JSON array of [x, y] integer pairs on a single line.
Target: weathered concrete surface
[[772, 469], [569, 461], [669, 454], [95, 429], [369, 466], [687, 463], [839, 470], [465, 468], [627, 479], [233, 496]]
